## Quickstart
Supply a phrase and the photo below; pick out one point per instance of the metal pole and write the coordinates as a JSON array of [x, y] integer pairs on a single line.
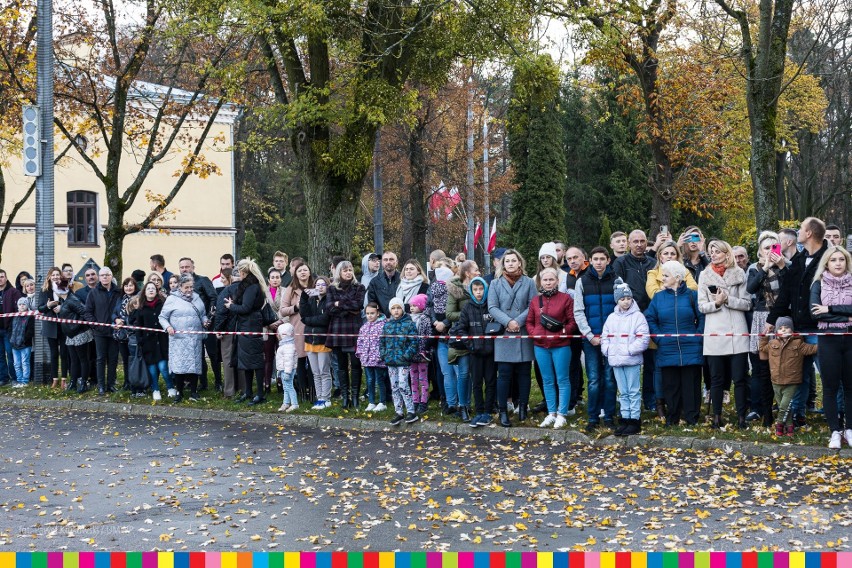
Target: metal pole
[[486, 264], [469, 206], [378, 221], [44, 184]]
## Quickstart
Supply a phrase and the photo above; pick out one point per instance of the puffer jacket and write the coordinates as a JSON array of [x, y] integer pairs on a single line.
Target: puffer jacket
[[424, 330], [673, 311], [560, 306], [312, 308], [625, 351], [593, 301], [73, 309], [367, 348], [285, 355], [400, 350], [785, 358]]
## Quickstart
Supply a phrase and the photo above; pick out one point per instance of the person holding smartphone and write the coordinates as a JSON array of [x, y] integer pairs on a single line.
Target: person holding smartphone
[[724, 301], [692, 247], [764, 283]]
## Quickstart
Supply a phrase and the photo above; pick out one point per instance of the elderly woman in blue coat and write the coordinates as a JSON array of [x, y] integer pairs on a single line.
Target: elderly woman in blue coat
[[674, 310], [509, 299]]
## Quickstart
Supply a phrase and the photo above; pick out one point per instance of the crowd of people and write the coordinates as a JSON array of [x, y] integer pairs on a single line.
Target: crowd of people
[[667, 325]]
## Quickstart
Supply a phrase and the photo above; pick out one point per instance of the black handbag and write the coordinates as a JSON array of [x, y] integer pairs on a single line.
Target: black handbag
[[547, 322], [137, 373], [494, 328], [267, 315]]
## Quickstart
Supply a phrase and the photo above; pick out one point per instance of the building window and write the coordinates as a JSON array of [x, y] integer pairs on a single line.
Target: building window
[[82, 218]]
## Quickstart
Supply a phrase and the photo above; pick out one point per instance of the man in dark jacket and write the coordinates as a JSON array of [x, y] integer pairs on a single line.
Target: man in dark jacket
[[100, 305], [794, 301], [383, 286], [204, 287], [224, 321], [633, 269], [577, 265], [8, 305]]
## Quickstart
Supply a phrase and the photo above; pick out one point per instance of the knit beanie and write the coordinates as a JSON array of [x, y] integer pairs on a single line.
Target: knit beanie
[[419, 302], [621, 290], [547, 249], [23, 302], [784, 321], [443, 274], [396, 302]]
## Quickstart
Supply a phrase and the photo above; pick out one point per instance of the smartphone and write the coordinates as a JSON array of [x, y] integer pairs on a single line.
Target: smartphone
[[664, 229], [693, 238], [713, 289], [776, 248]]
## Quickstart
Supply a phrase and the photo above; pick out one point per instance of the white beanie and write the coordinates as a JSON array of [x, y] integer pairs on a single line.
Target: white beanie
[[547, 249], [443, 274], [396, 302]]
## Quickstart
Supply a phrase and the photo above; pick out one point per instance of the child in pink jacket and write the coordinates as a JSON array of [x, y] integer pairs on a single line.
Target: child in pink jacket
[[367, 351]]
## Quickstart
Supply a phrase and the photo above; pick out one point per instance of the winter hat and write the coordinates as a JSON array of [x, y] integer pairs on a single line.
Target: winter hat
[[621, 290], [396, 302], [443, 274], [285, 329], [23, 302], [479, 280], [784, 321], [547, 249], [419, 302]]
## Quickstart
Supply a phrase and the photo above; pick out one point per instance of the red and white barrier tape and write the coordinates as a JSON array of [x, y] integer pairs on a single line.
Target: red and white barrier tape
[[40, 316]]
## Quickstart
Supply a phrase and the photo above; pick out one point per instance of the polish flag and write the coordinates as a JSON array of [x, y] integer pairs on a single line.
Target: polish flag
[[492, 239], [477, 234]]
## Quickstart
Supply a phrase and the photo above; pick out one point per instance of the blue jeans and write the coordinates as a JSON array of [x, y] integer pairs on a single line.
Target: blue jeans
[[288, 388], [601, 384], [375, 376], [456, 377], [555, 364], [7, 359], [161, 368], [22, 363], [800, 401], [627, 379]]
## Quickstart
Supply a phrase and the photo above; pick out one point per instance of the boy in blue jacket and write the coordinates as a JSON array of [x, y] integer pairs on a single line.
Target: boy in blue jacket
[[398, 347]]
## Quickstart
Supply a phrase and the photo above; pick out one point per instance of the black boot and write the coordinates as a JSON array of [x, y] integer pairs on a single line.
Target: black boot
[[540, 407], [717, 421], [661, 408], [522, 413], [354, 403], [622, 426], [464, 414], [504, 419], [344, 403]]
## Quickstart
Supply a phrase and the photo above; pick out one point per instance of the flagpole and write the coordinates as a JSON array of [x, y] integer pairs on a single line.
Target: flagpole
[[470, 196], [487, 206]]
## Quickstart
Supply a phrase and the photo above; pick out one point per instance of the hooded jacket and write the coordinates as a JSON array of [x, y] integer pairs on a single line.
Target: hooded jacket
[[367, 348], [786, 357], [676, 312], [366, 275], [473, 318], [625, 351], [400, 349], [285, 355]]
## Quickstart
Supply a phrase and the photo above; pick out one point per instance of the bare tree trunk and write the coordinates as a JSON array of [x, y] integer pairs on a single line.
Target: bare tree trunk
[[417, 192]]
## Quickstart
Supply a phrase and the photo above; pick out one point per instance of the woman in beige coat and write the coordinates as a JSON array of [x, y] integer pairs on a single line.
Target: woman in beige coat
[[289, 311], [723, 298]]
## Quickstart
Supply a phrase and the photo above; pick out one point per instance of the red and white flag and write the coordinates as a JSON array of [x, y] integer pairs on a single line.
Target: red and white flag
[[492, 239]]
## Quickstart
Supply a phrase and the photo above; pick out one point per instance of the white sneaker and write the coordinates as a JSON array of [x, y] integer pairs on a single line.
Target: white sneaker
[[706, 397], [318, 406], [560, 422], [370, 407], [172, 393], [284, 407], [726, 398], [380, 407], [602, 414], [548, 421], [292, 408], [327, 404], [834, 442], [571, 412], [156, 395], [847, 435], [510, 407]]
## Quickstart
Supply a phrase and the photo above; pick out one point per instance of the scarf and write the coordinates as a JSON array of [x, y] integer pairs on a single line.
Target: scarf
[[549, 293], [273, 292], [151, 303], [512, 277], [836, 291], [408, 288], [719, 269]]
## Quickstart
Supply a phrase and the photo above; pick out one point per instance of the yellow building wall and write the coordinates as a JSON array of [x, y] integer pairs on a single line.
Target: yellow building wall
[[200, 222]]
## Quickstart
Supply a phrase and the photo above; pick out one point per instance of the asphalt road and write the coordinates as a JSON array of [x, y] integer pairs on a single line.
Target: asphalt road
[[90, 481]]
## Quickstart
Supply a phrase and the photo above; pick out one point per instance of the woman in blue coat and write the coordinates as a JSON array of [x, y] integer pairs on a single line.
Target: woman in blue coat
[[674, 310]]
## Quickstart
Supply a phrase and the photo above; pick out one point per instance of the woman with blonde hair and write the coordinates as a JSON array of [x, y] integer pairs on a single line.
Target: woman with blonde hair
[[247, 350], [831, 305], [49, 303], [724, 301]]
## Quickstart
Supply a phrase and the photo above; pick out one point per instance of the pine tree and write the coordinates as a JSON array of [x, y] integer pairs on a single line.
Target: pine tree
[[535, 145], [249, 248]]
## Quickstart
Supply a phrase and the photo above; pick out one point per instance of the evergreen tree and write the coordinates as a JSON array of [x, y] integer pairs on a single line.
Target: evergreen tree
[[535, 146], [249, 248]]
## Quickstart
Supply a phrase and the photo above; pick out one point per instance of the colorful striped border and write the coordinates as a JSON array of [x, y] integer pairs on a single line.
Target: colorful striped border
[[426, 560]]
